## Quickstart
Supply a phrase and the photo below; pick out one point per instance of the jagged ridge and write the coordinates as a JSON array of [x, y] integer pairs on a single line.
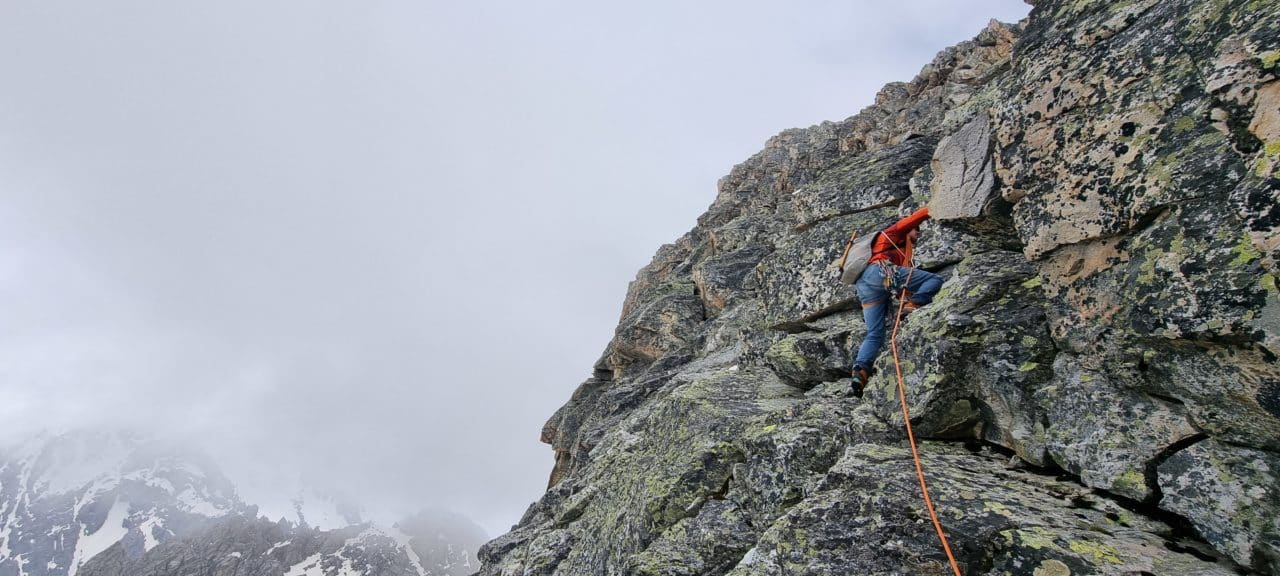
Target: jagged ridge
[[1104, 182]]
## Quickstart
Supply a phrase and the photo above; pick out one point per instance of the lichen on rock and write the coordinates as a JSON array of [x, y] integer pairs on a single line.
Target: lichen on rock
[[1096, 388]]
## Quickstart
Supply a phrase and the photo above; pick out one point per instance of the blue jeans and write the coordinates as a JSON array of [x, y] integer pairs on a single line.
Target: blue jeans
[[922, 287]]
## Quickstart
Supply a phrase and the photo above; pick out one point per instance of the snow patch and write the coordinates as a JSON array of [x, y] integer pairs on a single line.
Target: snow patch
[[112, 531], [4, 538], [308, 567], [403, 540], [161, 483], [100, 486], [196, 503], [148, 527], [278, 546], [23, 479]]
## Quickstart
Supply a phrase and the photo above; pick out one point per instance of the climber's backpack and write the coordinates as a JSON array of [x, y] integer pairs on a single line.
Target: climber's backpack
[[854, 259]]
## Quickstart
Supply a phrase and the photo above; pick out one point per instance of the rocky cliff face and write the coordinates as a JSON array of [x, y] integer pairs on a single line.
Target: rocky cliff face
[[1097, 384]]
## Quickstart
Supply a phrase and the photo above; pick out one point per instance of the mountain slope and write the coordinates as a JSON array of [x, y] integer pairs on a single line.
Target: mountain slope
[[65, 499], [117, 504], [241, 546], [245, 546], [1097, 384]]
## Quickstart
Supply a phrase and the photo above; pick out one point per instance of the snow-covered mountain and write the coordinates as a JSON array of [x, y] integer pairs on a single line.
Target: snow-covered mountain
[[445, 543], [118, 504], [64, 499], [242, 546]]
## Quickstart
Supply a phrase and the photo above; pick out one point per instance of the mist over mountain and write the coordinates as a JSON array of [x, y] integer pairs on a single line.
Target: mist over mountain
[[98, 503]]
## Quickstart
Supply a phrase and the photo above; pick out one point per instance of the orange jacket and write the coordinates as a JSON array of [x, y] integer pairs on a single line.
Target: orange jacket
[[892, 243]]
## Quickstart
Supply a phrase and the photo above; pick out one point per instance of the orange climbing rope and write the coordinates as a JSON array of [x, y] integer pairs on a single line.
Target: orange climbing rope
[[906, 417]]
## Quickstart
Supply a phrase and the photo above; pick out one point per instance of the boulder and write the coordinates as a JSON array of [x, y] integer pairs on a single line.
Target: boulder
[[963, 191], [798, 282], [728, 277], [867, 517], [709, 543], [974, 358], [806, 359], [1232, 496], [857, 183], [1109, 436]]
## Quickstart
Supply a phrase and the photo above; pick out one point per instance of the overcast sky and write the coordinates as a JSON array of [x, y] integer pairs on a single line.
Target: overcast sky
[[378, 243]]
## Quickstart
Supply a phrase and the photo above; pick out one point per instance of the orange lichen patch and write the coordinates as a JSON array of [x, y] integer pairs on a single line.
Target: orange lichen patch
[[1130, 128], [1266, 115], [1093, 306], [1066, 273], [1266, 126], [1044, 101], [1071, 213], [1080, 261]]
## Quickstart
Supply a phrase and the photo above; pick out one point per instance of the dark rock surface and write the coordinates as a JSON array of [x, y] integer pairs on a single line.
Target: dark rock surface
[[1097, 385]]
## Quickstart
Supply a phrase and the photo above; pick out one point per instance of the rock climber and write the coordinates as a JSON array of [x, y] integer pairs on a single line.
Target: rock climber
[[889, 270]]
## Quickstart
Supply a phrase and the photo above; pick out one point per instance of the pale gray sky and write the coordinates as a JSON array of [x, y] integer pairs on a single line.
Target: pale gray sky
[[378, 243]]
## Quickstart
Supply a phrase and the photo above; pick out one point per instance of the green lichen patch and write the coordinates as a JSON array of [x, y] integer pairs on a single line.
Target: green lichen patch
[[1097, 552], [1269, 58]]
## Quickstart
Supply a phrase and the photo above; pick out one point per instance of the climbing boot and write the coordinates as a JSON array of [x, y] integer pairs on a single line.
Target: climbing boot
[[860, 378], [910, 307]]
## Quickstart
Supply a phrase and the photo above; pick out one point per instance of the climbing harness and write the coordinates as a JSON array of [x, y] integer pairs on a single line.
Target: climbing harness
[[889, 270], [906, 418]]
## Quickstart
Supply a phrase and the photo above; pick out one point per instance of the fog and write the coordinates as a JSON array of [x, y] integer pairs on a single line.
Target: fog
[[376, 244]]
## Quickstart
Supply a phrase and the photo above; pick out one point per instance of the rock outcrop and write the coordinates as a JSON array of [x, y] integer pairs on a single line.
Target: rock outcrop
[[1097, 385]]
